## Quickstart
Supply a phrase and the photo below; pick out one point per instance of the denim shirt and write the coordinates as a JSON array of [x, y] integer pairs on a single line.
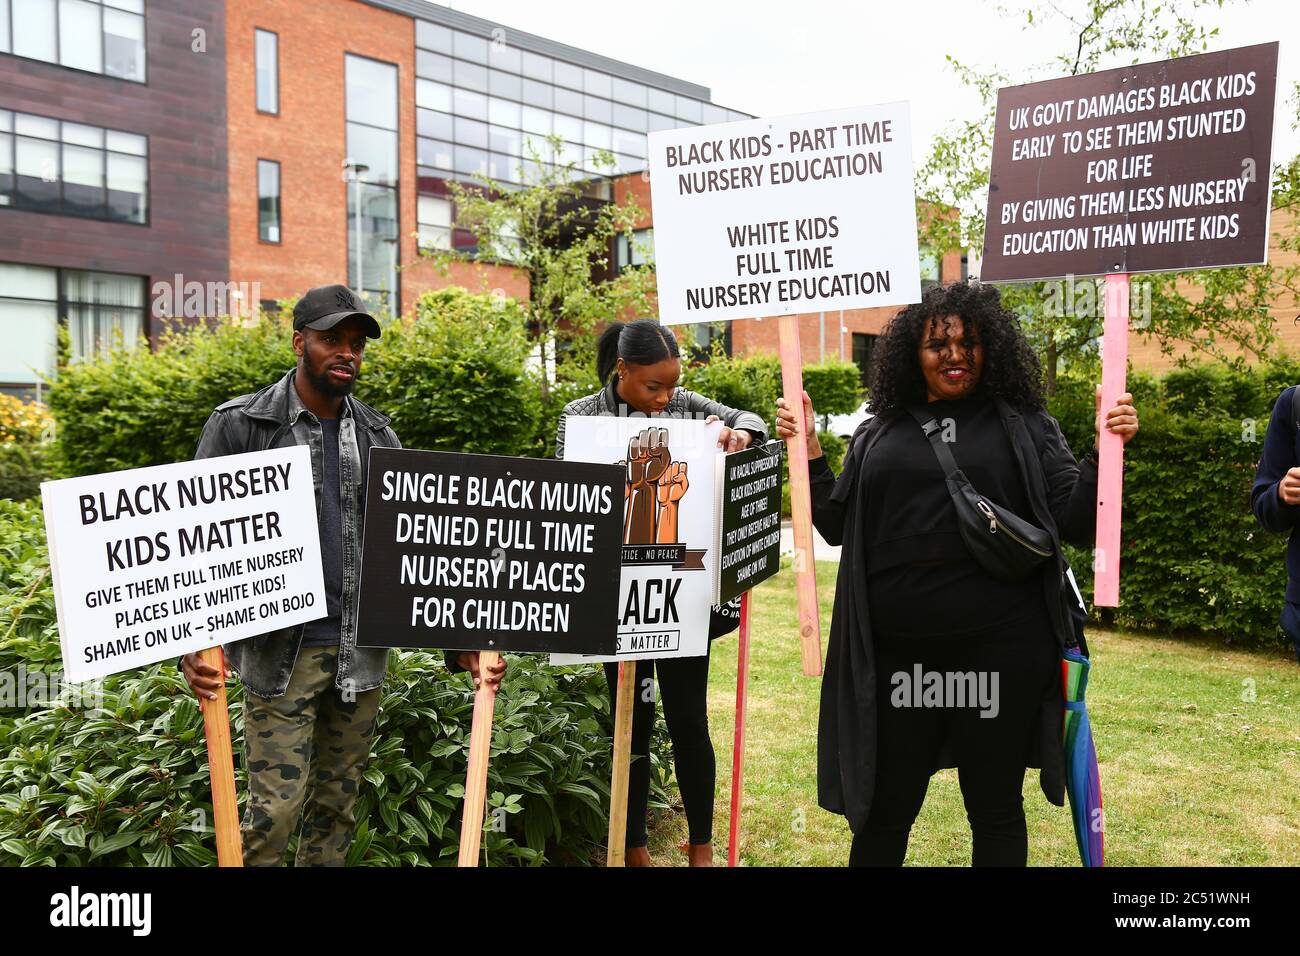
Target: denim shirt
[[275, 417], [307, 430]]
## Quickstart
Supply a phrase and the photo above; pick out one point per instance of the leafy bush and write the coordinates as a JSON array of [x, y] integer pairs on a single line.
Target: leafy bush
[[135, 408], [749, 383], [1193, 557], [435, 374], [26, 448], [28, 632], [574, 380], [22, 423], [453, 377], [22, 469], [754, 384], [834, 387]]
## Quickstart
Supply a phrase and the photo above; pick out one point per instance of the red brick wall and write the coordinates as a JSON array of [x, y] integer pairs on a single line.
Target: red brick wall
[[308, 138]]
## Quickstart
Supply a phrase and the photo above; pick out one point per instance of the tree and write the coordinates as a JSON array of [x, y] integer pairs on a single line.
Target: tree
[[559, 230], [1218, 313]]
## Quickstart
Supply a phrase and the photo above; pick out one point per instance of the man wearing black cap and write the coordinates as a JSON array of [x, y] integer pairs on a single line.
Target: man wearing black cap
[[311, 695]]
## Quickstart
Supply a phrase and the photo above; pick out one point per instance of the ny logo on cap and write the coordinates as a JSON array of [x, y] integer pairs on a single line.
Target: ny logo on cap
[[344, 298]]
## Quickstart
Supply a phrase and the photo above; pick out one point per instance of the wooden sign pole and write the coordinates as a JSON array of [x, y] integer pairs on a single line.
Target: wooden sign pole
[[810, 634], [1110, 471], [624, 701], [221, 766], [480, 745], [738, 748]]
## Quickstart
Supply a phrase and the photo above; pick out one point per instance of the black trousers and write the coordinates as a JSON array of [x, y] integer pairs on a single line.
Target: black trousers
[[991, 752], [683, 684]]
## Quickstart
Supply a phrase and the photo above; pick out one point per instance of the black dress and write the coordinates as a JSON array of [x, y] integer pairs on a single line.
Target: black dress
[[888, 539]]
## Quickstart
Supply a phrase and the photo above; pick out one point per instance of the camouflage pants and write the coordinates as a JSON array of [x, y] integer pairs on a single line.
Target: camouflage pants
[[305, 753]]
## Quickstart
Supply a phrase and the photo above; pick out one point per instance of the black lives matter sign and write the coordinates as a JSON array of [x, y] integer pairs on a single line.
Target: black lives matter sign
[[1147, 168], [751, 519], [481, 552]]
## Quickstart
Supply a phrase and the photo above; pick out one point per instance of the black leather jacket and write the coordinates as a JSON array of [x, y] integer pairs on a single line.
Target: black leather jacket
[[275, 418]]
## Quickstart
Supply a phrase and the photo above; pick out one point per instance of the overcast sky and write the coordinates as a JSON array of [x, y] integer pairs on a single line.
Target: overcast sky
[[771, 57]]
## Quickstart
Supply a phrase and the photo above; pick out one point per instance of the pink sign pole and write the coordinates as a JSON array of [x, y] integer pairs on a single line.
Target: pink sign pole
[[1110, 476], [738, 748], [805, 570]]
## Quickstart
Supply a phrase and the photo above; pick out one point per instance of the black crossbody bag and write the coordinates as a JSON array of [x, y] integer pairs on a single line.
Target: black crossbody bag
[[1007, 546]]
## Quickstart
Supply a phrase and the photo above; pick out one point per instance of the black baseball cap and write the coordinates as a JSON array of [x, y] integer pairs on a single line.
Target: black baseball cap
[[326, 306]]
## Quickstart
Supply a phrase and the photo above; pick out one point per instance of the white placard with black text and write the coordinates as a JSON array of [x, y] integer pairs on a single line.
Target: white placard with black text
[[669, 538], [152, 563], [784, 216]]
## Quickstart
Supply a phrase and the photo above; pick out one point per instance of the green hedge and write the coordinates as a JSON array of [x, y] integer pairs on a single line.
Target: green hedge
[[453, 377], [125, 782], [23, 467], [1193, 557], [141, 407], [434, 374], [755, 384]]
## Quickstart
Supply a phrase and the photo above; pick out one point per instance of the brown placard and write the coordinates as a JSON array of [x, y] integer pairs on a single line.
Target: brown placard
[[1148, 168]]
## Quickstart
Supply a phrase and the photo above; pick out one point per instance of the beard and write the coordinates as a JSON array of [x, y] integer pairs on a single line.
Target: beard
[[321, 381]]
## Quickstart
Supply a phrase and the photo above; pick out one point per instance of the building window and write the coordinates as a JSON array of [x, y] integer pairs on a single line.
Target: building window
[[638, 252], [98, 36], [929, 268], [434, 220], [372, 167], [73, 169], [527, 96], [864, 353], [268, 71], [268, 200], [103, 311]]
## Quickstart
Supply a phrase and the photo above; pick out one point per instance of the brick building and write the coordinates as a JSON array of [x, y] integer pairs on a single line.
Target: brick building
[[184, 157], [112, 169]]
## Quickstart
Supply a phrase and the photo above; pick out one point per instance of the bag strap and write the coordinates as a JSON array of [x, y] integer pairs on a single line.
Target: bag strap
[[933, 432]]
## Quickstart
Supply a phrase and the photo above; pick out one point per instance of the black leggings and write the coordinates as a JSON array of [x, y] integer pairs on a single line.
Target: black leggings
[[682, 683], [991, 752]]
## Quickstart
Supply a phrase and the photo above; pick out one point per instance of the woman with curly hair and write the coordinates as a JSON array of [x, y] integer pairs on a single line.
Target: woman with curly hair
[[934, 661]]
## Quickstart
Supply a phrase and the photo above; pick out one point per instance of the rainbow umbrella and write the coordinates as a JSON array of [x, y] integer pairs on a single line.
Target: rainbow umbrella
[[1082, 780]]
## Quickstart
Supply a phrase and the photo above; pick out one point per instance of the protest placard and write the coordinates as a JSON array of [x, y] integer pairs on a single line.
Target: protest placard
[[1154, 167], [1145, 168], [777, 217], [749, 517], [669, 547], [483, 552], [153, 563], [785, 215]]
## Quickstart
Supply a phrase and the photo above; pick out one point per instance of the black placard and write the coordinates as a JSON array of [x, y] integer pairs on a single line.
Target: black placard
[[482, 552], [751, 519], [1146, 168]]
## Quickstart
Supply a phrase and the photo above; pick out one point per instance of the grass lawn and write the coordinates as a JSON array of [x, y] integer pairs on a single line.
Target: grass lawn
[[1199, 748]]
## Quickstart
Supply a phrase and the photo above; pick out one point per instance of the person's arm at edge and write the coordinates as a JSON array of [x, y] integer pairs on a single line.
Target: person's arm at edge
[[1275, 461]]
